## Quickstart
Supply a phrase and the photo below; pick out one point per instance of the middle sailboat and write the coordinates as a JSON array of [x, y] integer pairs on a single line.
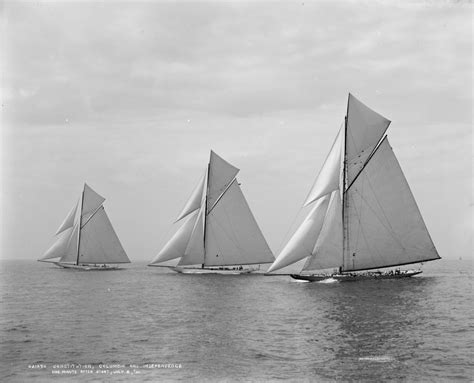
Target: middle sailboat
[[220, 234]]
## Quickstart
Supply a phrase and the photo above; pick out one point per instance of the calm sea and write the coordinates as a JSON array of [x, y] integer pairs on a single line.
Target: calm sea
[[149, 324]]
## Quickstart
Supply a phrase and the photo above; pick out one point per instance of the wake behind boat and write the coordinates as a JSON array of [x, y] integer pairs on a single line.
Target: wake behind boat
[[86, 239], [220, 234], [363, 216]]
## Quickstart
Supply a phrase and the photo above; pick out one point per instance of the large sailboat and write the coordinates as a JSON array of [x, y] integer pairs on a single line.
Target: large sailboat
[[86, 239], [219, 234], [363, 215]]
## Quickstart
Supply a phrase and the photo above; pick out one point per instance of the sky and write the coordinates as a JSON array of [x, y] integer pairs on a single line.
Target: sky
[[131, 98]]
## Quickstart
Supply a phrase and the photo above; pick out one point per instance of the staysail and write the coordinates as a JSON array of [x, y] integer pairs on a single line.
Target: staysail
[[223, 231], [194, 202], [371, 222], [302, 242]]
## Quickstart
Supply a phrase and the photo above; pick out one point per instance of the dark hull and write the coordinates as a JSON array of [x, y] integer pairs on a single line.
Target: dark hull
[[357, 277], [373, 275], [310, 278]]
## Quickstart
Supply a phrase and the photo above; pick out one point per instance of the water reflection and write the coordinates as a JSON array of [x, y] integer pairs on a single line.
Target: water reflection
[[379, 327]]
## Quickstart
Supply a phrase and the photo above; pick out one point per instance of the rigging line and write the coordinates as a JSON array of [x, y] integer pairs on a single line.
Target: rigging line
[[377, 146], [231, 236], [358, 216], [92, 215], [388, 229], [381, 207], [361, 229], [220, 196]]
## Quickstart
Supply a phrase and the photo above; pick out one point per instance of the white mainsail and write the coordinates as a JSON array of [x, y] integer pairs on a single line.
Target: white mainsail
[[233, 234], [86, 235], [99, 242], [372, 219], [223, 231], [385, 226]]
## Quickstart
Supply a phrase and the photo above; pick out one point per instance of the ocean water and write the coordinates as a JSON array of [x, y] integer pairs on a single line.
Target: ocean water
[[149, 324]]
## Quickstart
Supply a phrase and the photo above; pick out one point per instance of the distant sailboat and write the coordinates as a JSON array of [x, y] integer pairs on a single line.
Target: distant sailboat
[[220, 233], [364, 215], [86, 239]]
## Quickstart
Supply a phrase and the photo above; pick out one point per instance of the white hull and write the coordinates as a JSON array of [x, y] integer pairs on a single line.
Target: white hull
[[87, 267], [223, 271]]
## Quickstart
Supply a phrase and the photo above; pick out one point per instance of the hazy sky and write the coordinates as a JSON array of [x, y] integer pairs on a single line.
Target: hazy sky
[[131, 97]]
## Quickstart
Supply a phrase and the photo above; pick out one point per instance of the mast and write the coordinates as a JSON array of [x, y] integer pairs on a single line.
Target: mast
[[205, 212], [80, 224], [345, 235]]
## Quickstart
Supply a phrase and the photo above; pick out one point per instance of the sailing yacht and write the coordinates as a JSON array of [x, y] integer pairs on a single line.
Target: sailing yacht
[[86, 239], [363, 215], [219, 234]]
